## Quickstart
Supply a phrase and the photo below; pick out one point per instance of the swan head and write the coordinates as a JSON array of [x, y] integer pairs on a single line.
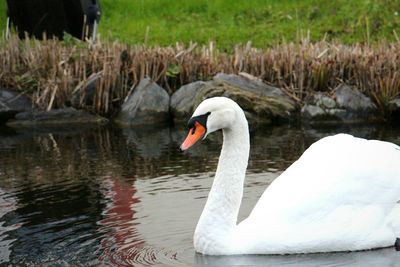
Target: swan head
[[211, 115]]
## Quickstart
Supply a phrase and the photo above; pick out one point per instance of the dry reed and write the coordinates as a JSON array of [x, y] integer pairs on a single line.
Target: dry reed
[[54, 72]]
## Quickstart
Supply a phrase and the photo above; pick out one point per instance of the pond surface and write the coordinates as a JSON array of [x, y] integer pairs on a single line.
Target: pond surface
[[123, 197]]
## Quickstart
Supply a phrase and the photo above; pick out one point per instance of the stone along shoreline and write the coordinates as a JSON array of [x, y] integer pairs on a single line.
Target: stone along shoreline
[[149, 104]]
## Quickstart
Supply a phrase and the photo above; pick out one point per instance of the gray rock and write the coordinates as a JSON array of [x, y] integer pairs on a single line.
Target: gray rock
[[56, 117], [11, 103], [337, 112], [395, 103], [351, 106], [324, 101], [328, 102], [353, 100], [148, 104], [260, 105], [251, 85], [182, 100], [311, 111], [319, 112]]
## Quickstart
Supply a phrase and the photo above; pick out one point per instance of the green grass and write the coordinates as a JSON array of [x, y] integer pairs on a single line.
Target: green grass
[[228, 23], [263, 22], [3, 14]]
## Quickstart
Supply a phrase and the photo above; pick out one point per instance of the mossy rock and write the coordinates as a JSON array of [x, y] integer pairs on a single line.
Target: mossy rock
[[259, 108]]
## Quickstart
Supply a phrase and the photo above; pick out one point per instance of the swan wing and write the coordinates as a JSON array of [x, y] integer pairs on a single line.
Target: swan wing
[[336, 170], [341, 188]]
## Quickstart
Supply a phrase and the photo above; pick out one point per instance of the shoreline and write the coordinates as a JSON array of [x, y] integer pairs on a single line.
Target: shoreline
[[149, 104], [314, 81]]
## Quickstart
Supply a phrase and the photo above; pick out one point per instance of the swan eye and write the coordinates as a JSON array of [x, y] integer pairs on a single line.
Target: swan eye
[[201, 119], [197, 129]]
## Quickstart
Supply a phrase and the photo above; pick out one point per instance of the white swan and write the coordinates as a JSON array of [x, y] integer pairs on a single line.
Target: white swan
[[340, 195]]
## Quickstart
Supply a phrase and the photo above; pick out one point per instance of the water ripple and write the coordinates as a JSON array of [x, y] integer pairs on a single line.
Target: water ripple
[[142, 255]]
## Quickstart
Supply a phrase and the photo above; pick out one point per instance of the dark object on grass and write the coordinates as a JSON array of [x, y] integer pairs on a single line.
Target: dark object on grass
[[53, 17]]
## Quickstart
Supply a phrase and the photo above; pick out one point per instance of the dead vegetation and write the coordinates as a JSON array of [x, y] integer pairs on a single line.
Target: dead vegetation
[[54, 73]]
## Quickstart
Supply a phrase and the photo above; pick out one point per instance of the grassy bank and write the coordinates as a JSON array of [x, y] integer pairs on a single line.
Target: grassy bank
[[346, 43], [265, 23], [54, 73], [262, 22]]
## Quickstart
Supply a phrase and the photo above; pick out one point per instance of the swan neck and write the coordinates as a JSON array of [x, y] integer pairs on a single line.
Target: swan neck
[[231, 171], [219, 217]]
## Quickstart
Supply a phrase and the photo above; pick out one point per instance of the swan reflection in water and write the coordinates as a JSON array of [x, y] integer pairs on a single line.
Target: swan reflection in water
[[121, 240], [378, 257]]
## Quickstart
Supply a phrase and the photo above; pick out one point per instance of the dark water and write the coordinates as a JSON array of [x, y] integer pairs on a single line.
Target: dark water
[[123, 197]]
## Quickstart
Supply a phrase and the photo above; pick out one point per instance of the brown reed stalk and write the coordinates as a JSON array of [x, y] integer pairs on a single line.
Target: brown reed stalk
[[52, 72]]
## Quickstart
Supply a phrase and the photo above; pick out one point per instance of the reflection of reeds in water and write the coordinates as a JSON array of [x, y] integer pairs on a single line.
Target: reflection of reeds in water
[[53, 71], [84, 154], [61, 157]]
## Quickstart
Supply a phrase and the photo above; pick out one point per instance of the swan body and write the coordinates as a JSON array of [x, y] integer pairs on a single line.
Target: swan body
[[341, 195]]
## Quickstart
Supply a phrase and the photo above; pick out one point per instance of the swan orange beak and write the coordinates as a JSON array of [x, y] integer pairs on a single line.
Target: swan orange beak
[[194, 135]]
